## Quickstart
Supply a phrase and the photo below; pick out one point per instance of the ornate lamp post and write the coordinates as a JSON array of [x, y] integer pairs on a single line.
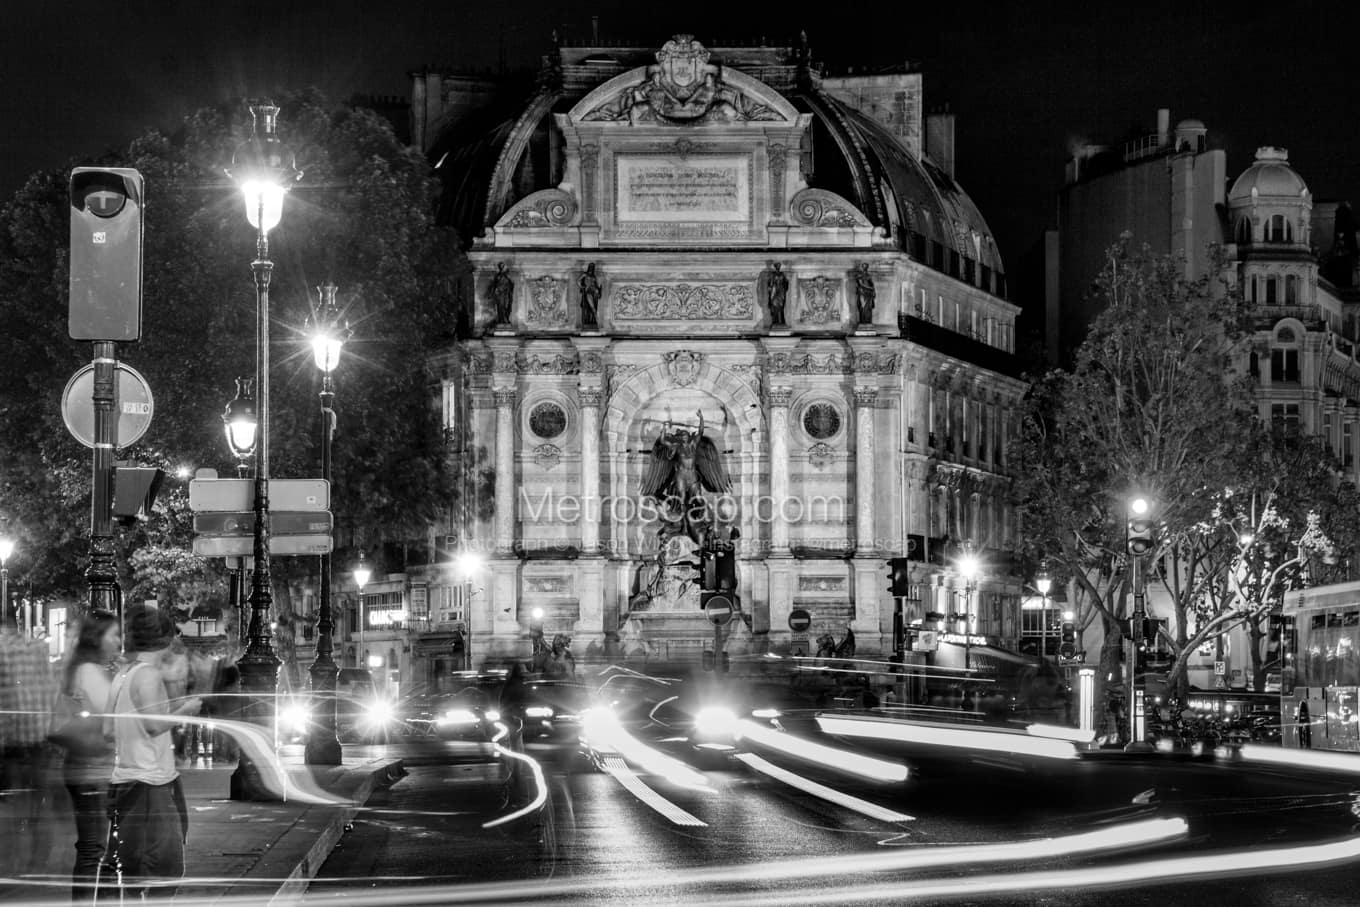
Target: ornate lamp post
[[6, 549], [1044, 583], [329, 333], [263, 168], [361, 577], [239, 421]]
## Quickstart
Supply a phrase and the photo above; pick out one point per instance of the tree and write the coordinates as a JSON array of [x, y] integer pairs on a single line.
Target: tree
[[1152, 407], [362, 217]]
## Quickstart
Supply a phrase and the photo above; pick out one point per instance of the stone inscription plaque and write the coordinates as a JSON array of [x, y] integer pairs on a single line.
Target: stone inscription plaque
[[696, 189]]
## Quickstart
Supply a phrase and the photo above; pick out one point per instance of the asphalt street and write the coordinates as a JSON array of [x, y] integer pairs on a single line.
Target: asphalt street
[[748, 838]]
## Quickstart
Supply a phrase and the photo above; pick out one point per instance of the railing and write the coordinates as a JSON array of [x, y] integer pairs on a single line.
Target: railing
[[1145, 147]]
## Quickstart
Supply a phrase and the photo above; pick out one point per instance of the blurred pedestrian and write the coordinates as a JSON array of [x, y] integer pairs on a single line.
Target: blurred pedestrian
[[513, 701], [88, 680], [28, 691], [150, 820]]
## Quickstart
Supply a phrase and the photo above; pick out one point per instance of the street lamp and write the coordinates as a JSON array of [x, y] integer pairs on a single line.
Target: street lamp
[[6, 549], [361, 577], [240, 423], [1141, 543], [329, 333], [263, 168], [1044, 583], [968, 568]]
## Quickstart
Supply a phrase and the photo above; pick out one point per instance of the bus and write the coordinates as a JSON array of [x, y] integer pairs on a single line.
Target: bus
[[1320, 671]]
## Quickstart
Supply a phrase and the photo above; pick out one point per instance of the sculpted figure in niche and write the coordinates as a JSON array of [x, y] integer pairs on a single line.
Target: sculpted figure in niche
[[777, 293], [590, 296], [502, 293], [864, 293]]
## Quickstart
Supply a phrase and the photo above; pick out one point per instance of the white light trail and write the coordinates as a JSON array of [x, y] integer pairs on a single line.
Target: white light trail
[[819, 753], [940, 735], [1057, 732], [539, 799], [808, 786], [621, 773], [1275, 755], [603, 732]]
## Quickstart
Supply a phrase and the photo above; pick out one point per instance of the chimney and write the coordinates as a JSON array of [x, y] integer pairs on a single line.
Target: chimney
[[1163, 127], [940, 139]]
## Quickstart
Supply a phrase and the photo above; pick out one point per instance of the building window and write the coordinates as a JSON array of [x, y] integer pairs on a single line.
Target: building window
[[1347, 451], [1244, 231], [1272, 290], [937, 255], [953, 263], [1291, 290], [987, 279], [1284, 419], [1284, 365], [1275, 230], [968, 273]]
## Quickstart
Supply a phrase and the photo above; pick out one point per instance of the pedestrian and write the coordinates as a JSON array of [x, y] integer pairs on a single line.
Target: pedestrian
[[149, 819], [88, 680], [28, 691]]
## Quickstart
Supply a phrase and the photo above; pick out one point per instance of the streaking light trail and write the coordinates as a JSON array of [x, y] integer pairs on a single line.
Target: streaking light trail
[[621, 773], [820, 754], [541, 785], [941, 735], [808, 786], [603, 733]]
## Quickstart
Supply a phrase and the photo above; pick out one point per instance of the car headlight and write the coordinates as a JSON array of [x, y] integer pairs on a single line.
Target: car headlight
[[715, 721], [379, 712], [766, 713], [294, 717], [493, 715], [539, 711], [459, 716]]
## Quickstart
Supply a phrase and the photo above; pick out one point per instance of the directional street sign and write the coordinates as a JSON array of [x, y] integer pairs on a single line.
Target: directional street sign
[[241, 545], [719, 610], [281, 523], [799, 620], [238, 495]]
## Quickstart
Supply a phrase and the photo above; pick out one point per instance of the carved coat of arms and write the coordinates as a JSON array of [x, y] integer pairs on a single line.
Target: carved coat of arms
[[682, 366]]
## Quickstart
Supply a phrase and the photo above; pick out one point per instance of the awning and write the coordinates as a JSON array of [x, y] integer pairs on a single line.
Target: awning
[[978, 656]]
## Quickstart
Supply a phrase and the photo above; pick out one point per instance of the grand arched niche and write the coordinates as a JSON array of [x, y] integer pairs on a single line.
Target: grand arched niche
[[636, 414]]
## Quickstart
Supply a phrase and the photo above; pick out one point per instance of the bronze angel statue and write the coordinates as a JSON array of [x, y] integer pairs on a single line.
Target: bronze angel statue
[[684, 465]]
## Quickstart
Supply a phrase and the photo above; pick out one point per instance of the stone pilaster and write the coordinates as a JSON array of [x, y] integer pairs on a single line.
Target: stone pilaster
[[865, 400], [778, 398], [590, 469], [505, 470]]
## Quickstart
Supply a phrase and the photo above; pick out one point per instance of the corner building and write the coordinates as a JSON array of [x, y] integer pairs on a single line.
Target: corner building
[[687, 177]]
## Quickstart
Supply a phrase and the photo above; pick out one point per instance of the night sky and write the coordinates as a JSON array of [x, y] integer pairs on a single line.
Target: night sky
[[1025, 80]]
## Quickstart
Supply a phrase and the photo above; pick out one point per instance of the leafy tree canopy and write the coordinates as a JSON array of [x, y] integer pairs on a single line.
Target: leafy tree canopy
[[361, 218]]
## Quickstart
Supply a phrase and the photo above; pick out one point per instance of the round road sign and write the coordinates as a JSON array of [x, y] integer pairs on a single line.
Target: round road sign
[[719, 609], [132, 402], [799, 620]]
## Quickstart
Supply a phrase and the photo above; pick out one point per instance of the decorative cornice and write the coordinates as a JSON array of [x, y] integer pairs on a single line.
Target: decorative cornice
[[557, 365], [866, 396], [589, 396], [505, 396], [683, 302]]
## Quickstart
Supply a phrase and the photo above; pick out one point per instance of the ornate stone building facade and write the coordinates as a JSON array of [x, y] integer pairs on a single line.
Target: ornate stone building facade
[[721, 238]]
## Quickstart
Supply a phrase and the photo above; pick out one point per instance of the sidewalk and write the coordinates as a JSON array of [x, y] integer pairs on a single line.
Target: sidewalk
[[261, 853]]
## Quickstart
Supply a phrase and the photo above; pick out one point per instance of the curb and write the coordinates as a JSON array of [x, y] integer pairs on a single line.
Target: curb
[[294, 886], [289, 864]]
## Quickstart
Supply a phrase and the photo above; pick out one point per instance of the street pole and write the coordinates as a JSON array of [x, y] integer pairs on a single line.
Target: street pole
[[102, 575], [264, 168], [1137, 704], [323, 744]]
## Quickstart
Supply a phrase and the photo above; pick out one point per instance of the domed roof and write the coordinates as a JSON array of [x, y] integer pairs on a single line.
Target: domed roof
[[481, 164], [1269, 177]]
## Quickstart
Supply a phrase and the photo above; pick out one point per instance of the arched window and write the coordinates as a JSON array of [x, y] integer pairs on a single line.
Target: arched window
[[1272, 290], [1244, 231], [1275, 231], [1288, 232], [1291, 289]]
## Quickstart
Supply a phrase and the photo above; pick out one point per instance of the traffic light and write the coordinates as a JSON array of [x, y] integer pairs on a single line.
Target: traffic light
[[1068, 648], [134, 491], [899, 577], [106, 254], [1141, 528]]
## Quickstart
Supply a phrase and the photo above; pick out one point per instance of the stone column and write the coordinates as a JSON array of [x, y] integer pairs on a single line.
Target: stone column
[[865, 399], [505, 470], [778, 398], [590, 470]]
